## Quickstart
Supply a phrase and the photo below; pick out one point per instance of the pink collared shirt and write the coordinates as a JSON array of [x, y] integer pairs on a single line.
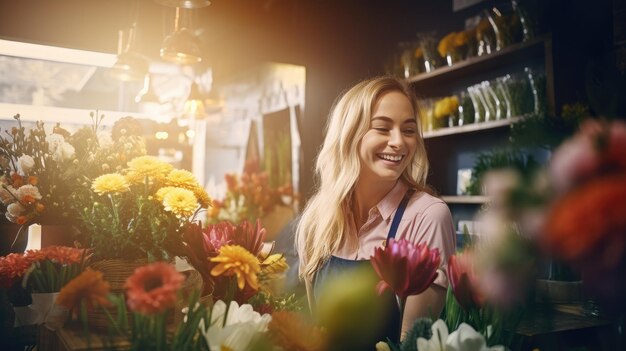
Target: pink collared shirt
[[426, 219]]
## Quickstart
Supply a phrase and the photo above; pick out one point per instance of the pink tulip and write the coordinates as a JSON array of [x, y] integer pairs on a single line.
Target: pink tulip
[[406, 268], [464, 280]]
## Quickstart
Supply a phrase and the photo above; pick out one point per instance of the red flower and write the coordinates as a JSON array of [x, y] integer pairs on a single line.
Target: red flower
[[464, 281], [216, 236], [249, 236], [406, 268], [244, 234], [12, 268], [152, 288], [588, 224]]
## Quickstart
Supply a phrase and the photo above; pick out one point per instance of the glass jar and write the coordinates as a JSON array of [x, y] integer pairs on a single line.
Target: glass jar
[[537, 83], [428, 45], [466, 109], [479, 108]]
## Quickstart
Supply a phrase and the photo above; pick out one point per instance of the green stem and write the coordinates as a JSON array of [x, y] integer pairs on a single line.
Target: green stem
[[401, 305]]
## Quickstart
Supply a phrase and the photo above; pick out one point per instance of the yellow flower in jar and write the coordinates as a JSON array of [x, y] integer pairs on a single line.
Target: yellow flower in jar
[[181, 202]]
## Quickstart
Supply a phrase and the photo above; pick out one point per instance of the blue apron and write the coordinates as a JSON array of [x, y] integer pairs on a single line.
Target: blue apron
[[335, 265]]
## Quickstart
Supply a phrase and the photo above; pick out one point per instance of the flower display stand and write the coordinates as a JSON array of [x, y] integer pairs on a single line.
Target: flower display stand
[[72, 338]]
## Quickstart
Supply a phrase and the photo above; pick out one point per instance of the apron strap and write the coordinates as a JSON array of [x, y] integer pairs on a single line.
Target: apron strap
[[398, 216]]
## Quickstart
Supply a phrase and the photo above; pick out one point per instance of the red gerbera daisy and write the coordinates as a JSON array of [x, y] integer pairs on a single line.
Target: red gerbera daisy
[[152, 288]]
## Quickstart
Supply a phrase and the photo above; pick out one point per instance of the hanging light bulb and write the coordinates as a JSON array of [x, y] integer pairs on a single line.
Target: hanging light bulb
[[194, 106], [182, 46], [188, 4], [129, 65]]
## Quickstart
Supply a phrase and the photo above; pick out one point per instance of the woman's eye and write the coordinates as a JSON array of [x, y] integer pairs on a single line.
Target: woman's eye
[[409, 131], [381, 129]]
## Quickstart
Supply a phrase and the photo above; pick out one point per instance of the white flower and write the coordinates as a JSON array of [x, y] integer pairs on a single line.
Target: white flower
[[235, 332], [54, 141], [438, 341], [15, 209], [7, 195], [24, 164], [465, 338], [63, 152], [28, 190], [104, 139], [59, 148]]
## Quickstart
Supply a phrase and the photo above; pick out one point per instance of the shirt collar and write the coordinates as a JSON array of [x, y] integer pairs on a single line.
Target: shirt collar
[[392, 200]]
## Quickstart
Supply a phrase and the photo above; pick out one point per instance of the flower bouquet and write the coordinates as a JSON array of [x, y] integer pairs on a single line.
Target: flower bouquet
[[43, 172], [41, 273], [141, 211], [249, 196]]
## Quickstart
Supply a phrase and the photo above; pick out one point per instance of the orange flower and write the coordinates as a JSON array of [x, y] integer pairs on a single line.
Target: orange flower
[[32, 180], [89, 286], [152, 288], [589, 223], [59, 254], [21, 220], [12, 268], [290, 331], [39, 207]]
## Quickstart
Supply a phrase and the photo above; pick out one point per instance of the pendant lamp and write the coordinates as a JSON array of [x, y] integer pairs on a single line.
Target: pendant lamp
[[130, 65], [194, 106], [182, 46]]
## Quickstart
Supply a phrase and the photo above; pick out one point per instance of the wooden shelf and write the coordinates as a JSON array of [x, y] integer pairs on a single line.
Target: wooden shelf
[[516, 53], [465, 199], [471, 128]]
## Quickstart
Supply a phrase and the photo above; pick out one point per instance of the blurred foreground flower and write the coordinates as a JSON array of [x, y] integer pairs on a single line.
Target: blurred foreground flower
[[464, 280], [153, 288], [586, 225], [88, 289], [465, 338], [291, 331]]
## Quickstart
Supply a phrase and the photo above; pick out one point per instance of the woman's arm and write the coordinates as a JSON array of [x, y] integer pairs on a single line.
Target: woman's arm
[[428, 304]]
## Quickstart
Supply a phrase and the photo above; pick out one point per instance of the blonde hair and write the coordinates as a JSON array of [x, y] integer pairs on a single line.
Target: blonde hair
[[324, 220]]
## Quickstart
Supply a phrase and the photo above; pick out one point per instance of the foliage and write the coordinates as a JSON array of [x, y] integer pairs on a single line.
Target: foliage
[[499, 159], [547, 132]]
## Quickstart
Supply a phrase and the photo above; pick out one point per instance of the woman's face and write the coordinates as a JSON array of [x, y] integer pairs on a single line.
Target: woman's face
[[389, 145]]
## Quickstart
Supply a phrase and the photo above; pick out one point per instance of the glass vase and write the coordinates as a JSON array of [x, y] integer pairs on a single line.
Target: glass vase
[[466, 109], [479, 108], [428, 46]]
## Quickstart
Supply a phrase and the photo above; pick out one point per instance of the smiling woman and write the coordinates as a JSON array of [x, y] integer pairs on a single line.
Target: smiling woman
[[372, 169]]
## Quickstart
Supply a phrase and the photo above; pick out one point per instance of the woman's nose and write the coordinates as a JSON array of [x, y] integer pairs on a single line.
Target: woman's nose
[[395, 138]]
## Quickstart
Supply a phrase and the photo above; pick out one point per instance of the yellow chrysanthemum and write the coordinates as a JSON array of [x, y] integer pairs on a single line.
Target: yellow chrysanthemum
[[182, 179], [160, 194], [202, 196], [181, 202], [109, 183], [147, 166], [235, 260]]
